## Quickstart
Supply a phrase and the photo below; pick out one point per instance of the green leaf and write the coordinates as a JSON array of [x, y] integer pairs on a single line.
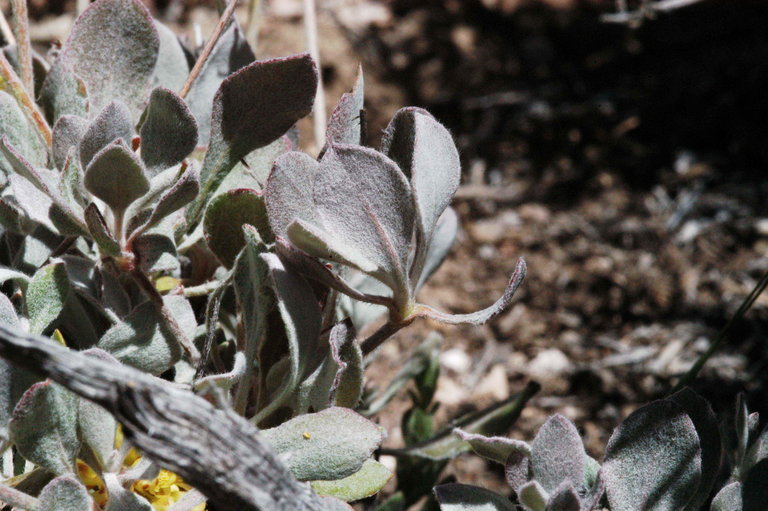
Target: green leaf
[[653, 457], [156, 253], [345, 123], [494, 448], [47, 294], [44, 427], [172, 67], [183, 191], [116, 176], [463, 497], [112, 123], [254, 107], [100, 232], [224, 220], [96, 426], [65, 494], [533, 496], [121, 499], [312, 448], [68, 131], [728, 498], [557, 454], [362, 484], [20, 132], [169, 131], [113, 48], [144, 341], [253, 170], [442, 240], [63, 93]]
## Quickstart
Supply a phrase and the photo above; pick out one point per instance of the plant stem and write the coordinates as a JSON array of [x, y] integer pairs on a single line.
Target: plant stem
[[23, 46], [11, 82], [386, 331], [206, 53], [17, 499], [310, 30], [5, 28], [253, 23], [724, 334]]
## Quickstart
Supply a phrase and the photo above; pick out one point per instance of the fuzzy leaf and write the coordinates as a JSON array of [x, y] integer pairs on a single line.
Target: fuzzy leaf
[[533, 496], [362, 484], [169, 131], [728, 498], [755, 490], [230, 54], [254, 107], [564, 499], [116, 176], [494, 448], [143, 340], [68, 131], [345, 123], [442, 240], [653, 460], [557, 454], [172, 67], [71, 183], [289, 191], [426, 153], [113, 123], [96, 426], [20, 132], [121, 499], [7, 274], [183, 191], [63, 93], [253, 170], [113, 48], [65, 494], [224, 220], [463, 497], [517, 470], [13, 381], [100, 232], [708, 431], [44, 427], [312, 448], [47, 294]]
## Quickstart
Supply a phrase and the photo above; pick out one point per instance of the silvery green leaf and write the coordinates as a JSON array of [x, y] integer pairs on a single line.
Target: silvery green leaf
[[47, 293], [312, 448], [653, 458], [224, 220], [13, 381], [426, 153], [156, 253], [517, 470], [463, 497], [7, 274], [13, 218], [708, 431], [230, 54], [63, 93], [113, 123], [96, 426], [533, 497], [65, 494], [169, 131], [143, 339], [442, 240], [741, 424], [35, 249], [494, 448], [754, 492], [44, 427], [71, 186], [289, 191], [481, 316], [364, 313], [42, 179], [183, 191], [121, 499], [254, 107], [253, 170], [728, 498], [302, 319], [564, 499], [116, 176], [68, 131], [100, 232], [113, 48], [557, 454], [172, 68], [345, 123], [758, 451], [20, 132], [367, 481], [7, 310]]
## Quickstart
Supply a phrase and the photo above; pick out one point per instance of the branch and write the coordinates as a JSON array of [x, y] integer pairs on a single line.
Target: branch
[[218, 452], [11, 83], [310, 31], [23, 46], [648, 9]]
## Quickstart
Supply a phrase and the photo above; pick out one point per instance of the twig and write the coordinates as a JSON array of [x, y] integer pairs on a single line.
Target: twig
[[9, 80], [724, 334], [5, 28], [18, 499], [310, 30], [206, 53], [253, 23], [647, 9], [386, 331], [23, 46]]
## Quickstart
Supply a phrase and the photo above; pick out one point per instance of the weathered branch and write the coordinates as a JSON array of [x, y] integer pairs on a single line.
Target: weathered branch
[[648, 9], [218, 452]]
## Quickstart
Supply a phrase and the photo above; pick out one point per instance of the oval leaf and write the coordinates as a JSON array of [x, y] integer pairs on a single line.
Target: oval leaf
[[116, 176], [557, 454], [169, 131], [362, 484], [47, 294], [463, 497], [65, 494], [224, 220]]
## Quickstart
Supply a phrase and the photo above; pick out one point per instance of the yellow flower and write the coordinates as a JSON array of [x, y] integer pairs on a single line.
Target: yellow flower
[[163, 491], [93, 483]]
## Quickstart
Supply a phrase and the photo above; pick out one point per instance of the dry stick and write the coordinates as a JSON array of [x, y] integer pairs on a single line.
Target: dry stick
[[253, 23], [724, 334], [5, 28], [9, 80], [625, 16], [215, 450], [23, 45], [310, 30], [206, 53]]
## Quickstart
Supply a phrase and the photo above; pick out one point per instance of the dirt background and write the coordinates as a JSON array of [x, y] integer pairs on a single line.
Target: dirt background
[[626, 164]]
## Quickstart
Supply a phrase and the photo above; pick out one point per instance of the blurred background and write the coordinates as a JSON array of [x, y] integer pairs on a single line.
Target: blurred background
[[627, 162]]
